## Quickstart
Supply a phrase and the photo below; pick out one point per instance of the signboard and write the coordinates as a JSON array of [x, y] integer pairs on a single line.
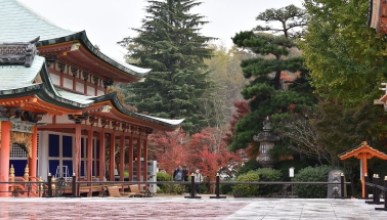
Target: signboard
[[291, 172], [21, 127]]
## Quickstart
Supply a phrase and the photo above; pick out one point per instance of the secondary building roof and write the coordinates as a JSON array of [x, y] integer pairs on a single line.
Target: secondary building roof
[[21, 82], [363, 149], [20, 24]]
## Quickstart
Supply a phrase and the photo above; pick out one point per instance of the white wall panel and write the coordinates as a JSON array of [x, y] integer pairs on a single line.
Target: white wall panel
[[90, 90], [100, 92], [46, 119], [63, 119], [80, 87], [55, 79], [68, 83]]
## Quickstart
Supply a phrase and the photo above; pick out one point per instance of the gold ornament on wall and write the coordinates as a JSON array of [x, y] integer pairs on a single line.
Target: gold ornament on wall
[[23, 139]]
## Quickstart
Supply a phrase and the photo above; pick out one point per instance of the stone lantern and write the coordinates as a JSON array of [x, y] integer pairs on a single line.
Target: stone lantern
[[266, 139]]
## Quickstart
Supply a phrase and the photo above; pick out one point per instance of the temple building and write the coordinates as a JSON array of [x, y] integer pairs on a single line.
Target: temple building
[[56, 115]]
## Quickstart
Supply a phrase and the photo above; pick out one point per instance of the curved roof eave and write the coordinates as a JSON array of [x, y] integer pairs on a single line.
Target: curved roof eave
[[172, 124], [82, 37], [44, 93]]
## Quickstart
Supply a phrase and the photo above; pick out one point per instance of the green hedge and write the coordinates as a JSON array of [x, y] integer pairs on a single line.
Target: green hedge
[[312, 174], [246, 190], [163, 177], [269, 175], [226, 188], [176, 188], [250, 165]]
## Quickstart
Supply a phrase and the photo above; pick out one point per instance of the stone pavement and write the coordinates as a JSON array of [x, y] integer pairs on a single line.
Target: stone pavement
[[186, 209]]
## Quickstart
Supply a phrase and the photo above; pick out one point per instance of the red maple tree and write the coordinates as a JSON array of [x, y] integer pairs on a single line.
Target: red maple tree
[[209, 153], [242, 109], [170, 147]]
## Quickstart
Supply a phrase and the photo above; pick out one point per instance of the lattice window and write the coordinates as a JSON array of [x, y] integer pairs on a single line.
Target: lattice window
[[17, 152]]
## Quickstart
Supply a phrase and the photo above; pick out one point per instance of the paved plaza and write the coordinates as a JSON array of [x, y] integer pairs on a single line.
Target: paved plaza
[[186, 209]]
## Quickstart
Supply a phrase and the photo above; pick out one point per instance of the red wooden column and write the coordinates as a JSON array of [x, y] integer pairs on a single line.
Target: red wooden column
[[365, 168], [90, 154], [34, 153], [77, 154], [102, 155], [122, 156], [138, 171], [130, 153], [112, 153], [4, 155], [90, 157], [145, 160], [77, 166]]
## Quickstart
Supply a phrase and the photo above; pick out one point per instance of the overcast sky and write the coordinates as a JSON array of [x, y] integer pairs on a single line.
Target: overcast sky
[[109, 21]]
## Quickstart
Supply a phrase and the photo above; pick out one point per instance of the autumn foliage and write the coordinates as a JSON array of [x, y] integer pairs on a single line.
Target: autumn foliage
[[209, 152], [171, 150], [206, 151], [242, 109]]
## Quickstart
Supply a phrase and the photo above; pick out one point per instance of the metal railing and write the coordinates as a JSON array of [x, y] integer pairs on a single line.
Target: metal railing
[[72, 188], [377, 191]]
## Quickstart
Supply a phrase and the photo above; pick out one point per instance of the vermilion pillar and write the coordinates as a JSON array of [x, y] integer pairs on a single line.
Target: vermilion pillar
[[122, 156], [102, 155], [112, 156], [77, 167], [138, 171], [365, 168], [130, 153], [89, 154], [34, 153], [145, 160], [90, 157], [4, 152]]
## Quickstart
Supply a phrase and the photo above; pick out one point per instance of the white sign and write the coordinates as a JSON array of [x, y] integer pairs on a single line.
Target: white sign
[[291, 172]]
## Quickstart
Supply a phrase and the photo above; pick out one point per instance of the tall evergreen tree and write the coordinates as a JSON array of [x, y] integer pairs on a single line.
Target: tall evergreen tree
[[267, 93], [170, 44], [345, 57]]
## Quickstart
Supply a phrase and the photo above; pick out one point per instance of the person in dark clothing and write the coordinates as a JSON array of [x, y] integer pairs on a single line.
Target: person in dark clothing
[[178, 175], [185, 173]]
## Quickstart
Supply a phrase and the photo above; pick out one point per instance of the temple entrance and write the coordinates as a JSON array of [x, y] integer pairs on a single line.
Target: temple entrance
[[18, 158], [20, 151]]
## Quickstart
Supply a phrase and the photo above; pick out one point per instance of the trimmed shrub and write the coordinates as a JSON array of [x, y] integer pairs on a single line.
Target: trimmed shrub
[[246, 190], [298, 165], [312, 174], [163, 177], [176, 188], [250, 165], [226, 188], [268, 175]]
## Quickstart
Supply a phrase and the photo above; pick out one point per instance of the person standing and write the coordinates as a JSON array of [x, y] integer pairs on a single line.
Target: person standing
[[198, 181], [185, 173], [178, 174]]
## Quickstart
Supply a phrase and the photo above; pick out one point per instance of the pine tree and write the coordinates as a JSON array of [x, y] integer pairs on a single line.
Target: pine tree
[[267, 93], [170, 44]]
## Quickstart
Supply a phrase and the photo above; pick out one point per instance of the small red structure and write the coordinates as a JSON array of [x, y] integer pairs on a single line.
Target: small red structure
[[363, 152], [377, 17]]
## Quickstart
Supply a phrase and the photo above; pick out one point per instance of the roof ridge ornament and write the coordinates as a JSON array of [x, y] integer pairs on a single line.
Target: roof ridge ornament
[[18, 53]]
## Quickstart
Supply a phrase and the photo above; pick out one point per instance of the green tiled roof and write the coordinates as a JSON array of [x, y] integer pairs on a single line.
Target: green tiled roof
[[18, 81], [17, 76], [20, 24], [75, 97]]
